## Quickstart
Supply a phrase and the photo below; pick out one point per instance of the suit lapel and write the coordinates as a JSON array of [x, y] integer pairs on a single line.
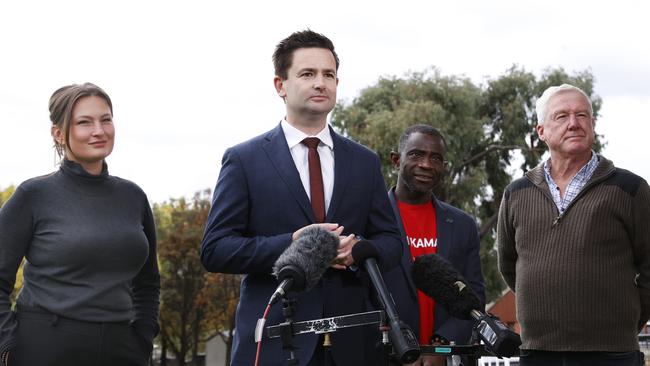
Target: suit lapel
[[444, 228], [342, 165], [407, 260], [278, 153]]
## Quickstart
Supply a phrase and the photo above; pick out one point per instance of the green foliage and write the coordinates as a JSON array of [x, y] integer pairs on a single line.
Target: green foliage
[[5, 194], [490, 132], [4, 197]]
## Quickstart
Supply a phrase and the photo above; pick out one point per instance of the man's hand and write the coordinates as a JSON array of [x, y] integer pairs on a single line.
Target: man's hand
[[335, 228], [430, 361], [344, 257]]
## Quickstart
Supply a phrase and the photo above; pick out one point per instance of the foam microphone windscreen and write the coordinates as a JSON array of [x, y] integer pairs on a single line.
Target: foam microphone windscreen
[[364, 250], [438, 279], [310, 254]]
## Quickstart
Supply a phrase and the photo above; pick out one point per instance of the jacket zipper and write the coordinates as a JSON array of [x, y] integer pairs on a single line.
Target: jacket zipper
[[582, 192]]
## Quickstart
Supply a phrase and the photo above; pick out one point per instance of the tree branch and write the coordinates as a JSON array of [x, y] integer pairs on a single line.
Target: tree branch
[[487, 226], [492, 148]]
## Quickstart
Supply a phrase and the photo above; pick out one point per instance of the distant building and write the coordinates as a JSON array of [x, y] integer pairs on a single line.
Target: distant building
[[506, 309], [215, 352]]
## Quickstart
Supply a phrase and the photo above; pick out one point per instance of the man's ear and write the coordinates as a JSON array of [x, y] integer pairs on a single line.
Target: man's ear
[[279, 86], [394, 159], [540, 131]]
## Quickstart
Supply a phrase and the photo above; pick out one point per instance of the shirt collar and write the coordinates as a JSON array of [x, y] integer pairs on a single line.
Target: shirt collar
[[294, 136], [587, 169]]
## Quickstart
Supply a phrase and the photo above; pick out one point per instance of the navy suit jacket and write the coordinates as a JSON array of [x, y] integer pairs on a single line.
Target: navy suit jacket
[[459, 244], [259, 201]]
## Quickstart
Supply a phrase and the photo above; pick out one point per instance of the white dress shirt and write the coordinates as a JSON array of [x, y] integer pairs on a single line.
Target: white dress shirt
[[299, 154]]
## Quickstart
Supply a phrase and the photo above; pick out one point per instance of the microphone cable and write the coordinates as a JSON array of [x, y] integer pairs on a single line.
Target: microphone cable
[[258, 334]]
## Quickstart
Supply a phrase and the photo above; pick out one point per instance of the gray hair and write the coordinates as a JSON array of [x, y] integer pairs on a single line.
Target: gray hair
[[540, 105]]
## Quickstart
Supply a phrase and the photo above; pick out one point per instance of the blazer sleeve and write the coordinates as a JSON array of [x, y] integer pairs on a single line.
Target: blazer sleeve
[[455, 329], [226, 247], [16, 230], [381, 227], [146, 285]]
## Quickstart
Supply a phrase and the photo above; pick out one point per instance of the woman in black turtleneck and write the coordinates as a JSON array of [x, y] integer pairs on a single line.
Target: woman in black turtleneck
[[91, 283]]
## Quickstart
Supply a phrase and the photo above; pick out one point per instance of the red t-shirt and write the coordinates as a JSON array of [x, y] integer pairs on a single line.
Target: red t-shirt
[[419, 223]]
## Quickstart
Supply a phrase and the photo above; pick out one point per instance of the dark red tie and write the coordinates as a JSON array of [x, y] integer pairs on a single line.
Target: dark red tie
[[315, 179]]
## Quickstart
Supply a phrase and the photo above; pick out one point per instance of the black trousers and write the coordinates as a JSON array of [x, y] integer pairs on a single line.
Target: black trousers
[[547, 358], [45, 339]]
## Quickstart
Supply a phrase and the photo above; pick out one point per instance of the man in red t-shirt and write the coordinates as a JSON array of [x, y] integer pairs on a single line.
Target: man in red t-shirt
[[429, 225]]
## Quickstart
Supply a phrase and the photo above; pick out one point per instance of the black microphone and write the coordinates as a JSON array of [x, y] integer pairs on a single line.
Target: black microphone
[[438, 279], [402, 337], [303, 263]]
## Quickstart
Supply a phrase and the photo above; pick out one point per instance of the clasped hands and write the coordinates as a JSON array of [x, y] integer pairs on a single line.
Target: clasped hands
[[344, 253]]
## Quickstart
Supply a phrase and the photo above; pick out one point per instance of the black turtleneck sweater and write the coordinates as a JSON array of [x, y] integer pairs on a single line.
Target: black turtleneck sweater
[[90, 249]]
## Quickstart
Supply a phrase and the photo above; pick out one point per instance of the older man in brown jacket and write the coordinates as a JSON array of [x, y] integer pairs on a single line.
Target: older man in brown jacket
[[574, 244]]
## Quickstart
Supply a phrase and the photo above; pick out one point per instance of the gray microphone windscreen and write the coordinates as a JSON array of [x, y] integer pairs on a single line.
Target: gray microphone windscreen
[[311, 254]]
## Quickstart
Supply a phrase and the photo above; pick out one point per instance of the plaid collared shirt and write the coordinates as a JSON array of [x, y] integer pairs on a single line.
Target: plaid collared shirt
[[575, 185]]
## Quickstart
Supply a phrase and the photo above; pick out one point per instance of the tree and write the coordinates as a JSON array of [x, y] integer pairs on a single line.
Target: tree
[[4, 197], [5, 194], [220, 300], [195, 305], [489, 130]]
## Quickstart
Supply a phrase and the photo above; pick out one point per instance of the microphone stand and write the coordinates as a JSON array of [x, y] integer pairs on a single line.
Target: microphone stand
[[286, 329], [472, 352], [385, 341], [327, 344]]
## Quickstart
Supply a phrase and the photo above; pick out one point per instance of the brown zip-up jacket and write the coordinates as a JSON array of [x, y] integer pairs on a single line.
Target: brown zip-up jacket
[[582, 278]]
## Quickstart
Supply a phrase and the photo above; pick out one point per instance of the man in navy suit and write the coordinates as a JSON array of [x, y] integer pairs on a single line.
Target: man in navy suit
[[429, 225], [267, 193]]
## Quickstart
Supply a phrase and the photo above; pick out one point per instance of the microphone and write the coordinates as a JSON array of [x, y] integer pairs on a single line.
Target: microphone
[[402, 337], [303, 263], [438, 279]]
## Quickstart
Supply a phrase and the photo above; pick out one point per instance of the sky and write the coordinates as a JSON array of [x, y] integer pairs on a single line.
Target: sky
[[190, 79]]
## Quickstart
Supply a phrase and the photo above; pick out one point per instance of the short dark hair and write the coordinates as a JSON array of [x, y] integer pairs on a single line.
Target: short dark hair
[[283, 55], [423, 129]]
